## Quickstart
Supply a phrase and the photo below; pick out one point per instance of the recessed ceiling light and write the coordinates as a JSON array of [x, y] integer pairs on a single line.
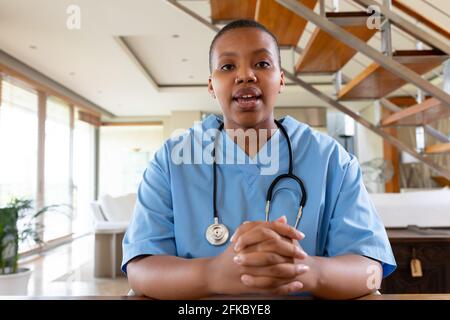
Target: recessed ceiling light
[[33, 47], [191, 77], [184, 60], [71, 73], [175, 35], [99, 91]]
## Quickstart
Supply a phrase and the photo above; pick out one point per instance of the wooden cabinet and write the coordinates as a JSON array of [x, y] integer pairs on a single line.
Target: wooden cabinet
[[432, 248]]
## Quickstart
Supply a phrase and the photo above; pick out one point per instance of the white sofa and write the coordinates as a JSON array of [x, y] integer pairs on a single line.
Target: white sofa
[[113, 211], [430, 208], [111, 218]]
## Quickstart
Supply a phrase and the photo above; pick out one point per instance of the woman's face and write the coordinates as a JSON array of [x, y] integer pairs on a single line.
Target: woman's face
[[246, 77]]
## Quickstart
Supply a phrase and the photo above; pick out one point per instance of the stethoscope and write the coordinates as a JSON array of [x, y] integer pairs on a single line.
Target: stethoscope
[[217, 233]]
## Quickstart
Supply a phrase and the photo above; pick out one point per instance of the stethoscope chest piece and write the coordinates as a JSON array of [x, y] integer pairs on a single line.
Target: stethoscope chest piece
[[217, 233]]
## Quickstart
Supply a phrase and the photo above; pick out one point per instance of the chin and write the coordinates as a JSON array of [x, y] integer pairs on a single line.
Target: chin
[[248, 119]]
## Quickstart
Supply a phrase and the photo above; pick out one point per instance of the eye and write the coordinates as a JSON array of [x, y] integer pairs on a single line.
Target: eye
[[263, 64], [227, 67]]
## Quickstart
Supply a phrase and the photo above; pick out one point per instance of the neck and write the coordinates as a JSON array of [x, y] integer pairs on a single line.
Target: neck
[[251, 139]]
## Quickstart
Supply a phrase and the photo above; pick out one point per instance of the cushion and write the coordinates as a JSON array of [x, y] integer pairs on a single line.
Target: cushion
[[430, 208], [118, 209]]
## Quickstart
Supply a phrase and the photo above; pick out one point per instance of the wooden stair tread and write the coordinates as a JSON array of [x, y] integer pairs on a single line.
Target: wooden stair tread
[[423, 113], [438, 148], [282, 22], [326, 54], [441, 181], [404, 101], [225, 11], [376, 82]]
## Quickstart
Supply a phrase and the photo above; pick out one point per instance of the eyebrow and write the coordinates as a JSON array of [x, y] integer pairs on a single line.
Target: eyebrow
[[233, 54]]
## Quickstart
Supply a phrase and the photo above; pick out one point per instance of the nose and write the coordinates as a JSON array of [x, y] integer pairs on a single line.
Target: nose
[[245, 75]]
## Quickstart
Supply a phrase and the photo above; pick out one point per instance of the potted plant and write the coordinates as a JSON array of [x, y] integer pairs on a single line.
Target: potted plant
[[18, 223]]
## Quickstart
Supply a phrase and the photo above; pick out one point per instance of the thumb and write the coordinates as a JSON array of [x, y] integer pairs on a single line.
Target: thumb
[[282, 219]]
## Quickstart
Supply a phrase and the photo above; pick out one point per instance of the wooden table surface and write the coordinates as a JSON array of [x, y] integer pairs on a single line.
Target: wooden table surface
[[443, 296]]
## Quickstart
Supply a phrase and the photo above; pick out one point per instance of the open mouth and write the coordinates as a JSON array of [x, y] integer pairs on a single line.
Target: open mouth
[[247, 97]]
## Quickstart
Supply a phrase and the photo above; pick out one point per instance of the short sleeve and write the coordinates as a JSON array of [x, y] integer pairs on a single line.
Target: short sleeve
[[151, 230], [355, 227]]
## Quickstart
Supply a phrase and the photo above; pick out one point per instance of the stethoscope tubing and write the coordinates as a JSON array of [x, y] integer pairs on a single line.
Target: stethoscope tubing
[[289, 175]]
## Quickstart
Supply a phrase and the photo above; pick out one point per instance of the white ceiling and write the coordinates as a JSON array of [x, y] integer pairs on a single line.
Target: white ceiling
[[93, 63]]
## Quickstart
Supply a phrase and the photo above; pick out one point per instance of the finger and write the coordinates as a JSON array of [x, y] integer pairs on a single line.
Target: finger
[[255, 235], [284, 290], [282, 229], [260, 259], [256, 256], [247, 225], [254, 247], [282, 219], [262, 233], [282, 247], [270, 283], [281, 270], [244, 227], [279, 246], [286, 230]]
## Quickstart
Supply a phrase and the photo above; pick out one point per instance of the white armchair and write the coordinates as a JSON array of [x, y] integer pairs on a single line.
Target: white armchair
[[111, 218]]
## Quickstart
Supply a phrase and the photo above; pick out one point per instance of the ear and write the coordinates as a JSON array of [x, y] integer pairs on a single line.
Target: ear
[[210, 88], [282, 81]]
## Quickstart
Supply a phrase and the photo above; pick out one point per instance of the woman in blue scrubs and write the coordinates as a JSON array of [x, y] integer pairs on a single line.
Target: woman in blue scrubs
[[176, 246]]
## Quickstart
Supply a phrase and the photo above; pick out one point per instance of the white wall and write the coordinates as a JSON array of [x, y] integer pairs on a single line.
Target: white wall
[[180, 120], [124, 155]]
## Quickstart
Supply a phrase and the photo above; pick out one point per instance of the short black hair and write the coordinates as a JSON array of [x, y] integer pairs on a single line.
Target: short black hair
[[238, 24]]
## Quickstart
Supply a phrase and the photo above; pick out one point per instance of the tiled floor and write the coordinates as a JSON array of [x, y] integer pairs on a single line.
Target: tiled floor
[[68, 270]]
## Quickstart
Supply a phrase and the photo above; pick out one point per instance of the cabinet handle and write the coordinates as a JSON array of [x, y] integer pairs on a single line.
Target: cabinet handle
[[416, 266]]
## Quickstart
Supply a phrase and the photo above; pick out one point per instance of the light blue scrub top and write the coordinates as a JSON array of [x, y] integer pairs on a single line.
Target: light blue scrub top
[[174, 201]]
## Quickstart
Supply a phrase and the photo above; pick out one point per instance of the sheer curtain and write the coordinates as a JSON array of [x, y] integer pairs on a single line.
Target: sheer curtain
[[418, 175], [57, 168], [18, 142], [83, 176]]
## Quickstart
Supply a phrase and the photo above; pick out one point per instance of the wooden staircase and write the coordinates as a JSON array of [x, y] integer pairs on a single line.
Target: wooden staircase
[[418, 115], [283, 23], [225, 11], [438, 148], [375, 82], [325, 54]]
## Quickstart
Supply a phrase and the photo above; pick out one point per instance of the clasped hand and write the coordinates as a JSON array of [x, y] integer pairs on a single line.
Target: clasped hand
[[263, 257]]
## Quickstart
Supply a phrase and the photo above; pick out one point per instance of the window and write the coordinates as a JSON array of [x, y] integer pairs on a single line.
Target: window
[[69, 158], [83, 176], [58, 188], [18, 142], [124, 155]]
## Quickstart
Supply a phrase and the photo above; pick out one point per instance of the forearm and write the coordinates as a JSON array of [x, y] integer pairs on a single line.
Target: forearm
[[342, 277], [168, 277]]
